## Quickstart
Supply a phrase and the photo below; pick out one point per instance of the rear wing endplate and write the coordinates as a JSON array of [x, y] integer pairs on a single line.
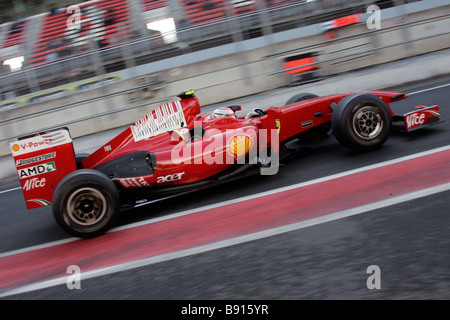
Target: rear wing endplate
[[42, 160]]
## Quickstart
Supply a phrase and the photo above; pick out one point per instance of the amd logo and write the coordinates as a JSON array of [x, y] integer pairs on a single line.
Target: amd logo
[[36, 170]]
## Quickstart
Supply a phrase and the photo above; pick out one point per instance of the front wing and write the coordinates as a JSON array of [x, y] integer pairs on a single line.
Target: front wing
[[422, 117]]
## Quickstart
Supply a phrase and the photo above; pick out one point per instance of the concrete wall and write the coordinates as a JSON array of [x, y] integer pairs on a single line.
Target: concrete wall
[[231, 71]]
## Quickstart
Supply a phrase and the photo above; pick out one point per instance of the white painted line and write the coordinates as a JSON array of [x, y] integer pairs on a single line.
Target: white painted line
[[233, 241], [9, 190], [37, 247], [429, 89]]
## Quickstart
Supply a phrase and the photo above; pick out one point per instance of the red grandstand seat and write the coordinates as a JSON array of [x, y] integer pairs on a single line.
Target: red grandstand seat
[[153, 4], [55, 25], [243, 7], [199, 12], [15, 35]]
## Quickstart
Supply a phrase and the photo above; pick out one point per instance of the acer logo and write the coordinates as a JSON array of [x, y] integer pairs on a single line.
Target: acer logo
[[170, 177], [34, 183], [415, 120]]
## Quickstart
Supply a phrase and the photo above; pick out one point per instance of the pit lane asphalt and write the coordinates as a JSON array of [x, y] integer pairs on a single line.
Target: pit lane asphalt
[[408, 241]]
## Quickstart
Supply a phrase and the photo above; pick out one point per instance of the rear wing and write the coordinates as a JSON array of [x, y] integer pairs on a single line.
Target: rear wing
[[42, 160]]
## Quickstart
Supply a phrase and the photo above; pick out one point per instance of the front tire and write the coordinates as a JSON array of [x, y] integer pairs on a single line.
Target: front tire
[[361, 122], [86, 203]]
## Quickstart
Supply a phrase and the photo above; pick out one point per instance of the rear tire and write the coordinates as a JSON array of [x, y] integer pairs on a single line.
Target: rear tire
[[361, 122], [86, 203]]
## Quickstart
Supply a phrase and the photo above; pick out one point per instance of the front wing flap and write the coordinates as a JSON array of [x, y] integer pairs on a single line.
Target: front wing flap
[[421, 117]]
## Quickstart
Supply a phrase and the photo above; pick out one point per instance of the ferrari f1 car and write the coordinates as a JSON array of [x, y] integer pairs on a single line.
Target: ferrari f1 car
[[176, 149]]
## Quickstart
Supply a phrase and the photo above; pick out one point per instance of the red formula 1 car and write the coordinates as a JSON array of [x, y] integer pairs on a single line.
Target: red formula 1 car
[[175, 149]]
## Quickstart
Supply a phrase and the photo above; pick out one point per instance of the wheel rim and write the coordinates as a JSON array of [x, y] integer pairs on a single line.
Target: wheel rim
[[86, 206], [367, 122]]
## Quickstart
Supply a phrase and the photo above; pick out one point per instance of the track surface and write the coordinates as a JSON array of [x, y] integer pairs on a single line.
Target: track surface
[[324, 259]]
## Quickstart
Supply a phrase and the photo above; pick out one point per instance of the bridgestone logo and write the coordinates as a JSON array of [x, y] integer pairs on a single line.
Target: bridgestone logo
[[23, 162]]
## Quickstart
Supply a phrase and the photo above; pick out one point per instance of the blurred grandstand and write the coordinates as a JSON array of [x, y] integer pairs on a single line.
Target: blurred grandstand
[[40, 50]]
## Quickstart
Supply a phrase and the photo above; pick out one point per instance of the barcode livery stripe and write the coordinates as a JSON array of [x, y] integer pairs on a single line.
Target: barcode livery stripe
[[166, 117]]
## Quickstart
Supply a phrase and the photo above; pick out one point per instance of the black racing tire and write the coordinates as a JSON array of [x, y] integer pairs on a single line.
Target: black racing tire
[[301, 97], [361, 122], [86, 203]]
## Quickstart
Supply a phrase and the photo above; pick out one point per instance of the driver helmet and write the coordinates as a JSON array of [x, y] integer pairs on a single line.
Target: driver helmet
[[224, 112]]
